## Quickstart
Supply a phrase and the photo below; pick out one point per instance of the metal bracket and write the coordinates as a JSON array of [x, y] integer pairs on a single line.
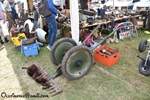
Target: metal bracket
[[57, 72]]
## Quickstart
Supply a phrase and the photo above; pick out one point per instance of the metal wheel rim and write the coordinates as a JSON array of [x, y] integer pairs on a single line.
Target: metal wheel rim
[[61, 50], [78, 63], [145, 68]]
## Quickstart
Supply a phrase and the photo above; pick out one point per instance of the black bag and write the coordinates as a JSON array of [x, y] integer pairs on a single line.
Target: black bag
[[44, 10]]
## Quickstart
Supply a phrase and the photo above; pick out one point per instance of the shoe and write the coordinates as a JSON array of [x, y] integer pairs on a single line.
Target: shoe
[[48, 47], [6, 40], [1, 41]]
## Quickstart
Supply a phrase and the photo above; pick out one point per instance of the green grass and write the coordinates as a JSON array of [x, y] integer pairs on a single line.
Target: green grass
[[121, 81]]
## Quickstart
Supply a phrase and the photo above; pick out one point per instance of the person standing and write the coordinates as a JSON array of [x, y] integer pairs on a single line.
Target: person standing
[[52, 24], [3, 25], [35, 15], [8, 11], [15, 17]]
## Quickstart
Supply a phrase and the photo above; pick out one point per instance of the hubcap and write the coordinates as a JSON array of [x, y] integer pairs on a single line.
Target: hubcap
[[78, 63], [61, 50]]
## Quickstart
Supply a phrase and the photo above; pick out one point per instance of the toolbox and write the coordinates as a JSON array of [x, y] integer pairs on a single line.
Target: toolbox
[[106, 55], [17, 39], [30, 49]]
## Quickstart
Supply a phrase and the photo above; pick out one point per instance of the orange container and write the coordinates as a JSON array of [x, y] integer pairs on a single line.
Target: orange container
[[104, 58]]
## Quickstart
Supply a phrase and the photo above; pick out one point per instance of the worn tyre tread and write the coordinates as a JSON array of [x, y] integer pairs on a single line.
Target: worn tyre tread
[[145, 73], [54, 47], [65, 58], [142, 44]]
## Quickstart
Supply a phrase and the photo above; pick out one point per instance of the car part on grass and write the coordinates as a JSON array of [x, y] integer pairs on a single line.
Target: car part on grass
[[74, 60], [77, 62], [54, 87], [56, 73], [144, 65], [142, 45], [42, 35], [43, 78], [59, 49], [28, 26], [145, 69]]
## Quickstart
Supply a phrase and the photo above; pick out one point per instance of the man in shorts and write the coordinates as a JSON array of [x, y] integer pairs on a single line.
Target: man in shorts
[[3, 25], [8, 12]]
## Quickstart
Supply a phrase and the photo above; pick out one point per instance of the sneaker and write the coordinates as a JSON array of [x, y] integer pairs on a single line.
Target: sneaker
[[2, 42], [6, 40], [48, 47]]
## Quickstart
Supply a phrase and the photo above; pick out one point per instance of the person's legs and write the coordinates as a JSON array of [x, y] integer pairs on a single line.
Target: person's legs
[[5, 31], [10, 21], [53, 31], [35, 16], [52, 26], [1, 41], [49, 32]]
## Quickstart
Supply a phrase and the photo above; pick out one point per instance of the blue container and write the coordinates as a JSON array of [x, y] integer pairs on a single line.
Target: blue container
[[30, 50]]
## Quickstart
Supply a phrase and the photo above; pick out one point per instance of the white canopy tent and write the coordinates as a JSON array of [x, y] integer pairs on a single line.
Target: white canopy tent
[[74, 15], [141, 3]]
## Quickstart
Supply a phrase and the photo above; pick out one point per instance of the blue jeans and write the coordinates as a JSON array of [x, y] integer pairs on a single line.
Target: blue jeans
[[52, 26]]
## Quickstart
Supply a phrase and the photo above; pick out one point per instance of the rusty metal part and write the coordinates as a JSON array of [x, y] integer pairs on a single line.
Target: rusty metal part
[[55, 89], [41, 77], [57, 72], [52, 85]]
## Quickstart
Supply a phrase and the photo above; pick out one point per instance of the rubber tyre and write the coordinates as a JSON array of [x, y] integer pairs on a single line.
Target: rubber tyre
[[147, 24], [144, 70], [27, 32], [77, 62], [63, 44], [142, 45]]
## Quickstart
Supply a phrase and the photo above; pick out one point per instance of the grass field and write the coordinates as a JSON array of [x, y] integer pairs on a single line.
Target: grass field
[[121, 81]]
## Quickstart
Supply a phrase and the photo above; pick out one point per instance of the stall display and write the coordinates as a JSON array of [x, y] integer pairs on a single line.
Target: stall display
[[126, 30], [144, 65], [74, 60]]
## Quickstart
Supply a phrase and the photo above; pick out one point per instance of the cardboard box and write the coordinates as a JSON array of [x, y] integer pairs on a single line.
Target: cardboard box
[[140, 22], [66, 12]]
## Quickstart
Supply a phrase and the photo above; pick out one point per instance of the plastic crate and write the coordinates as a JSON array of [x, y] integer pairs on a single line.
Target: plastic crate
[[17, 40], [106, 59], [30, 49]]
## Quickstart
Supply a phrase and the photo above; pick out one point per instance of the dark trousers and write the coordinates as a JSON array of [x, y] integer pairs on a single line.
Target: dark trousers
[[9, 17]]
